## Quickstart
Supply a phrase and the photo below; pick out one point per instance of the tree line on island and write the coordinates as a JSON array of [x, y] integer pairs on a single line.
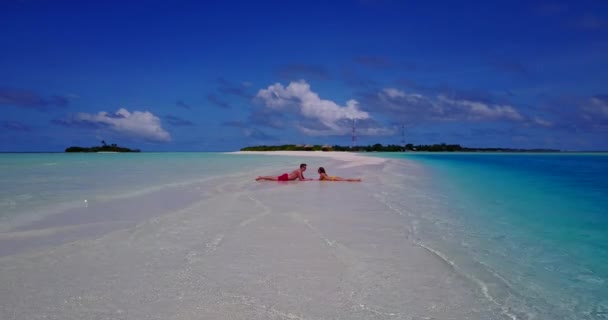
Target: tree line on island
[[441, 147], [103, 148]]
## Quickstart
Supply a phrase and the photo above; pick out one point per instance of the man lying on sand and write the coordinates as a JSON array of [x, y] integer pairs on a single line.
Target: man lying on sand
[[324, 177], [296, 174]]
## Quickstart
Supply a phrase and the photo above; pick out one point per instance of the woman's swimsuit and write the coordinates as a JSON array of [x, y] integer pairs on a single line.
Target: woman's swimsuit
[[332, 178]]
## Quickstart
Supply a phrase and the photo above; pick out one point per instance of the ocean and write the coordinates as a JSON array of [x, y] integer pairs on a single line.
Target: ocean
[[504, 236], [531, 230]]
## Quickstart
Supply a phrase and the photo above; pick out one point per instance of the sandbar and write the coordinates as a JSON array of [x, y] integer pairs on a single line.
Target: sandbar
[[352, 159], [254, 250]]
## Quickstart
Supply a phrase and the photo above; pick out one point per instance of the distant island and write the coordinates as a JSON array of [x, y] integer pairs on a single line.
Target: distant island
[[103, 148], [442, 147]]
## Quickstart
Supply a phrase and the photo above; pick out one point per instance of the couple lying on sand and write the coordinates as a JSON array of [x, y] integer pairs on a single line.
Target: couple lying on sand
[[299, 174]]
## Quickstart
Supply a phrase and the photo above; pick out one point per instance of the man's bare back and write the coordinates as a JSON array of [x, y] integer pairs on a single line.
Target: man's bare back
[[295, 174]]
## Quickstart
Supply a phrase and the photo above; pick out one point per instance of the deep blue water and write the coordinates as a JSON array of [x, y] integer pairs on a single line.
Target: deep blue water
[[531, 228]]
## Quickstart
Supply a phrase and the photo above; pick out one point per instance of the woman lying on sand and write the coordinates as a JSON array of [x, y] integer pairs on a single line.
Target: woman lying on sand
[[324, 177]]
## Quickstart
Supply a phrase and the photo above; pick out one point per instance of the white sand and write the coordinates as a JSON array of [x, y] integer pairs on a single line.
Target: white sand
[[352, 159], [252, 250]]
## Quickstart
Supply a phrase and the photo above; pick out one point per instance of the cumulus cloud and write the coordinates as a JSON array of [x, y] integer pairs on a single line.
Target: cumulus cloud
[[310, 104], [136, 124], [299, 98]]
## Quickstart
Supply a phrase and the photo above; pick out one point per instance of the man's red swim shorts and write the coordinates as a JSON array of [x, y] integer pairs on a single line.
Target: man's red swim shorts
[[283, 177]]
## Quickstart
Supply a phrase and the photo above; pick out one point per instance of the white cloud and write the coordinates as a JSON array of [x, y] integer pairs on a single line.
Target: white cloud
[[298, 95], [475, 110], [138, 124], [441, 107], [391, 94], [404, 104]]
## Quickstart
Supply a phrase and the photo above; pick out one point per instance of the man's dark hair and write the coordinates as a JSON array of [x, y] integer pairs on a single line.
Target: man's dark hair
[[302, 165]]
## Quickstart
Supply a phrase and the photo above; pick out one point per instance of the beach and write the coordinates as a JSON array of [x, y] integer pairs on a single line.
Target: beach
[[244, 250], [194, 236], [348, 159]]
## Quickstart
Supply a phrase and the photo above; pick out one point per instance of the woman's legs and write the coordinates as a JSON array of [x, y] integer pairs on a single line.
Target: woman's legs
[[346, 179]]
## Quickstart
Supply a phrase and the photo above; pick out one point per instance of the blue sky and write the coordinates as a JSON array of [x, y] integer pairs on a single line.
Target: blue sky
[[194, 76]]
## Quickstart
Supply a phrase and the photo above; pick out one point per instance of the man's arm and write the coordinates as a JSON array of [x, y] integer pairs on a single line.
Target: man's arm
[[301, 176]]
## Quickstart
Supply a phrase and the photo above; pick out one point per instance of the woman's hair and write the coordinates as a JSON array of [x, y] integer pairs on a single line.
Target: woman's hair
[[321, 170]]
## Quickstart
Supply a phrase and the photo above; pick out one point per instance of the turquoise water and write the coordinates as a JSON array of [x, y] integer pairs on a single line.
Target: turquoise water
[[530, 229]]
